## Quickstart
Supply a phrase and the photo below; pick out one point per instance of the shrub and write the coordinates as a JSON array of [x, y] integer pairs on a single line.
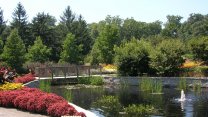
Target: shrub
[[167, 57], [34, 100], [199, 48], [132, 58], [25, 79], [10, 86]]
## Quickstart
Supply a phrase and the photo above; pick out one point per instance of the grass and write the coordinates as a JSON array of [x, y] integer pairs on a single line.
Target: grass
[[92, 80], [197, 86], [68, 95], [182, 84], [153, 85], [45, 85]]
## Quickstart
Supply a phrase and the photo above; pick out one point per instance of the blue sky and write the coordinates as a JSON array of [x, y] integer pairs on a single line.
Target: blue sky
[[96, 10]]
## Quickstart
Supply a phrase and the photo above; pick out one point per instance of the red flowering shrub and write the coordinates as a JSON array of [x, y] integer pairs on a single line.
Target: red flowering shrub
[[7, 97], [21, 101], [60, 109], [35, 100], [25, 79], [46, 100]]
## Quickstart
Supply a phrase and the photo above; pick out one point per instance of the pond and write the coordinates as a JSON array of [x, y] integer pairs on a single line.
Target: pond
[[166, 103]]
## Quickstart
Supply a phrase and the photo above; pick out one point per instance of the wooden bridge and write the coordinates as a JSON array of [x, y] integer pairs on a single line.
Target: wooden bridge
[[66, 74]]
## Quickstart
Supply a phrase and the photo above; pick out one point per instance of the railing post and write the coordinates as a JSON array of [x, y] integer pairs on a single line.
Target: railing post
[[77, 69]]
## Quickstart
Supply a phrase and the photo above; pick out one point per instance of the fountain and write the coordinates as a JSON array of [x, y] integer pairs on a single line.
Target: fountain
[[183, 98]]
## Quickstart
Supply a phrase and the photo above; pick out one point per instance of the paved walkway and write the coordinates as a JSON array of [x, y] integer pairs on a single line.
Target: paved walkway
[[12, 112]]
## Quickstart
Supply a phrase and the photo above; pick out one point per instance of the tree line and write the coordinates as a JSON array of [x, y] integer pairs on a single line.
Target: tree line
[[74, 41]]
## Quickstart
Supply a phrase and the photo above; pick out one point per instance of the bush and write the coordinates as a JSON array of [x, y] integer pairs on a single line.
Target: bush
[[132, 58], [25, 79], [167, 57], [199, 48], [10, 86], [34, 100]]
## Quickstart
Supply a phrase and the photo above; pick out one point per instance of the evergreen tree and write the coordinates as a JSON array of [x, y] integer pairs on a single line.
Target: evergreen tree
[[21, 24], [43, 25], [71, 52], [2, 22], [38, 52], [14, 51], [78, 27]]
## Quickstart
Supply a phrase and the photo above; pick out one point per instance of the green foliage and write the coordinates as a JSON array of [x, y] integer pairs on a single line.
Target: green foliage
[[196, 25], [93, 80], [102, 51], [172, 26], [197, 86], [167, 57], [182, 84], [14, 51], [21, 24], [132, 58], [43, 25], [71, 52], [2, 22], [146, 84], [79, 28], [139, 110], [45, 85], [110, 105], [152, 85], [68, 95], [38, 52], [1, 45], [199, 48]]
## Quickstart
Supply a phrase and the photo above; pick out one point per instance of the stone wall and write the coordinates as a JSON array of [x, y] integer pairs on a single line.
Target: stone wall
[[167, 81]]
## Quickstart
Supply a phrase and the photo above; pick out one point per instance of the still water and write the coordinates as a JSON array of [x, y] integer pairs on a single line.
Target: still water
[[196, 104]]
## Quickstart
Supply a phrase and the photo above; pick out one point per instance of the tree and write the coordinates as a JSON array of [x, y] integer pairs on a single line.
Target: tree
[[172, 26], [2, 22], [167, 57], [78, 27], [132, 57], [104, 44], [43, 25], [21, 24], [38, 52], [71, 52], [199, 48], [195, 26], [14, 51]]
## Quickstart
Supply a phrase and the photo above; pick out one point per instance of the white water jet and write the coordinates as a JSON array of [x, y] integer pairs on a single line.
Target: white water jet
[[183, 97]]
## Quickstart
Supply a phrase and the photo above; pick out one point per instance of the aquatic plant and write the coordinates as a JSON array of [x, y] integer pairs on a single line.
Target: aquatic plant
[[68, 95], [146, 84], [139, 110], [152, 85], [45, 85], [92, 80], [182, 84], [110, 105], [197, 86]]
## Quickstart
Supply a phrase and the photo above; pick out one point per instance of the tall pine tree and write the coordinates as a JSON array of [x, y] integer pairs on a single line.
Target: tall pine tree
[[21, 24]]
